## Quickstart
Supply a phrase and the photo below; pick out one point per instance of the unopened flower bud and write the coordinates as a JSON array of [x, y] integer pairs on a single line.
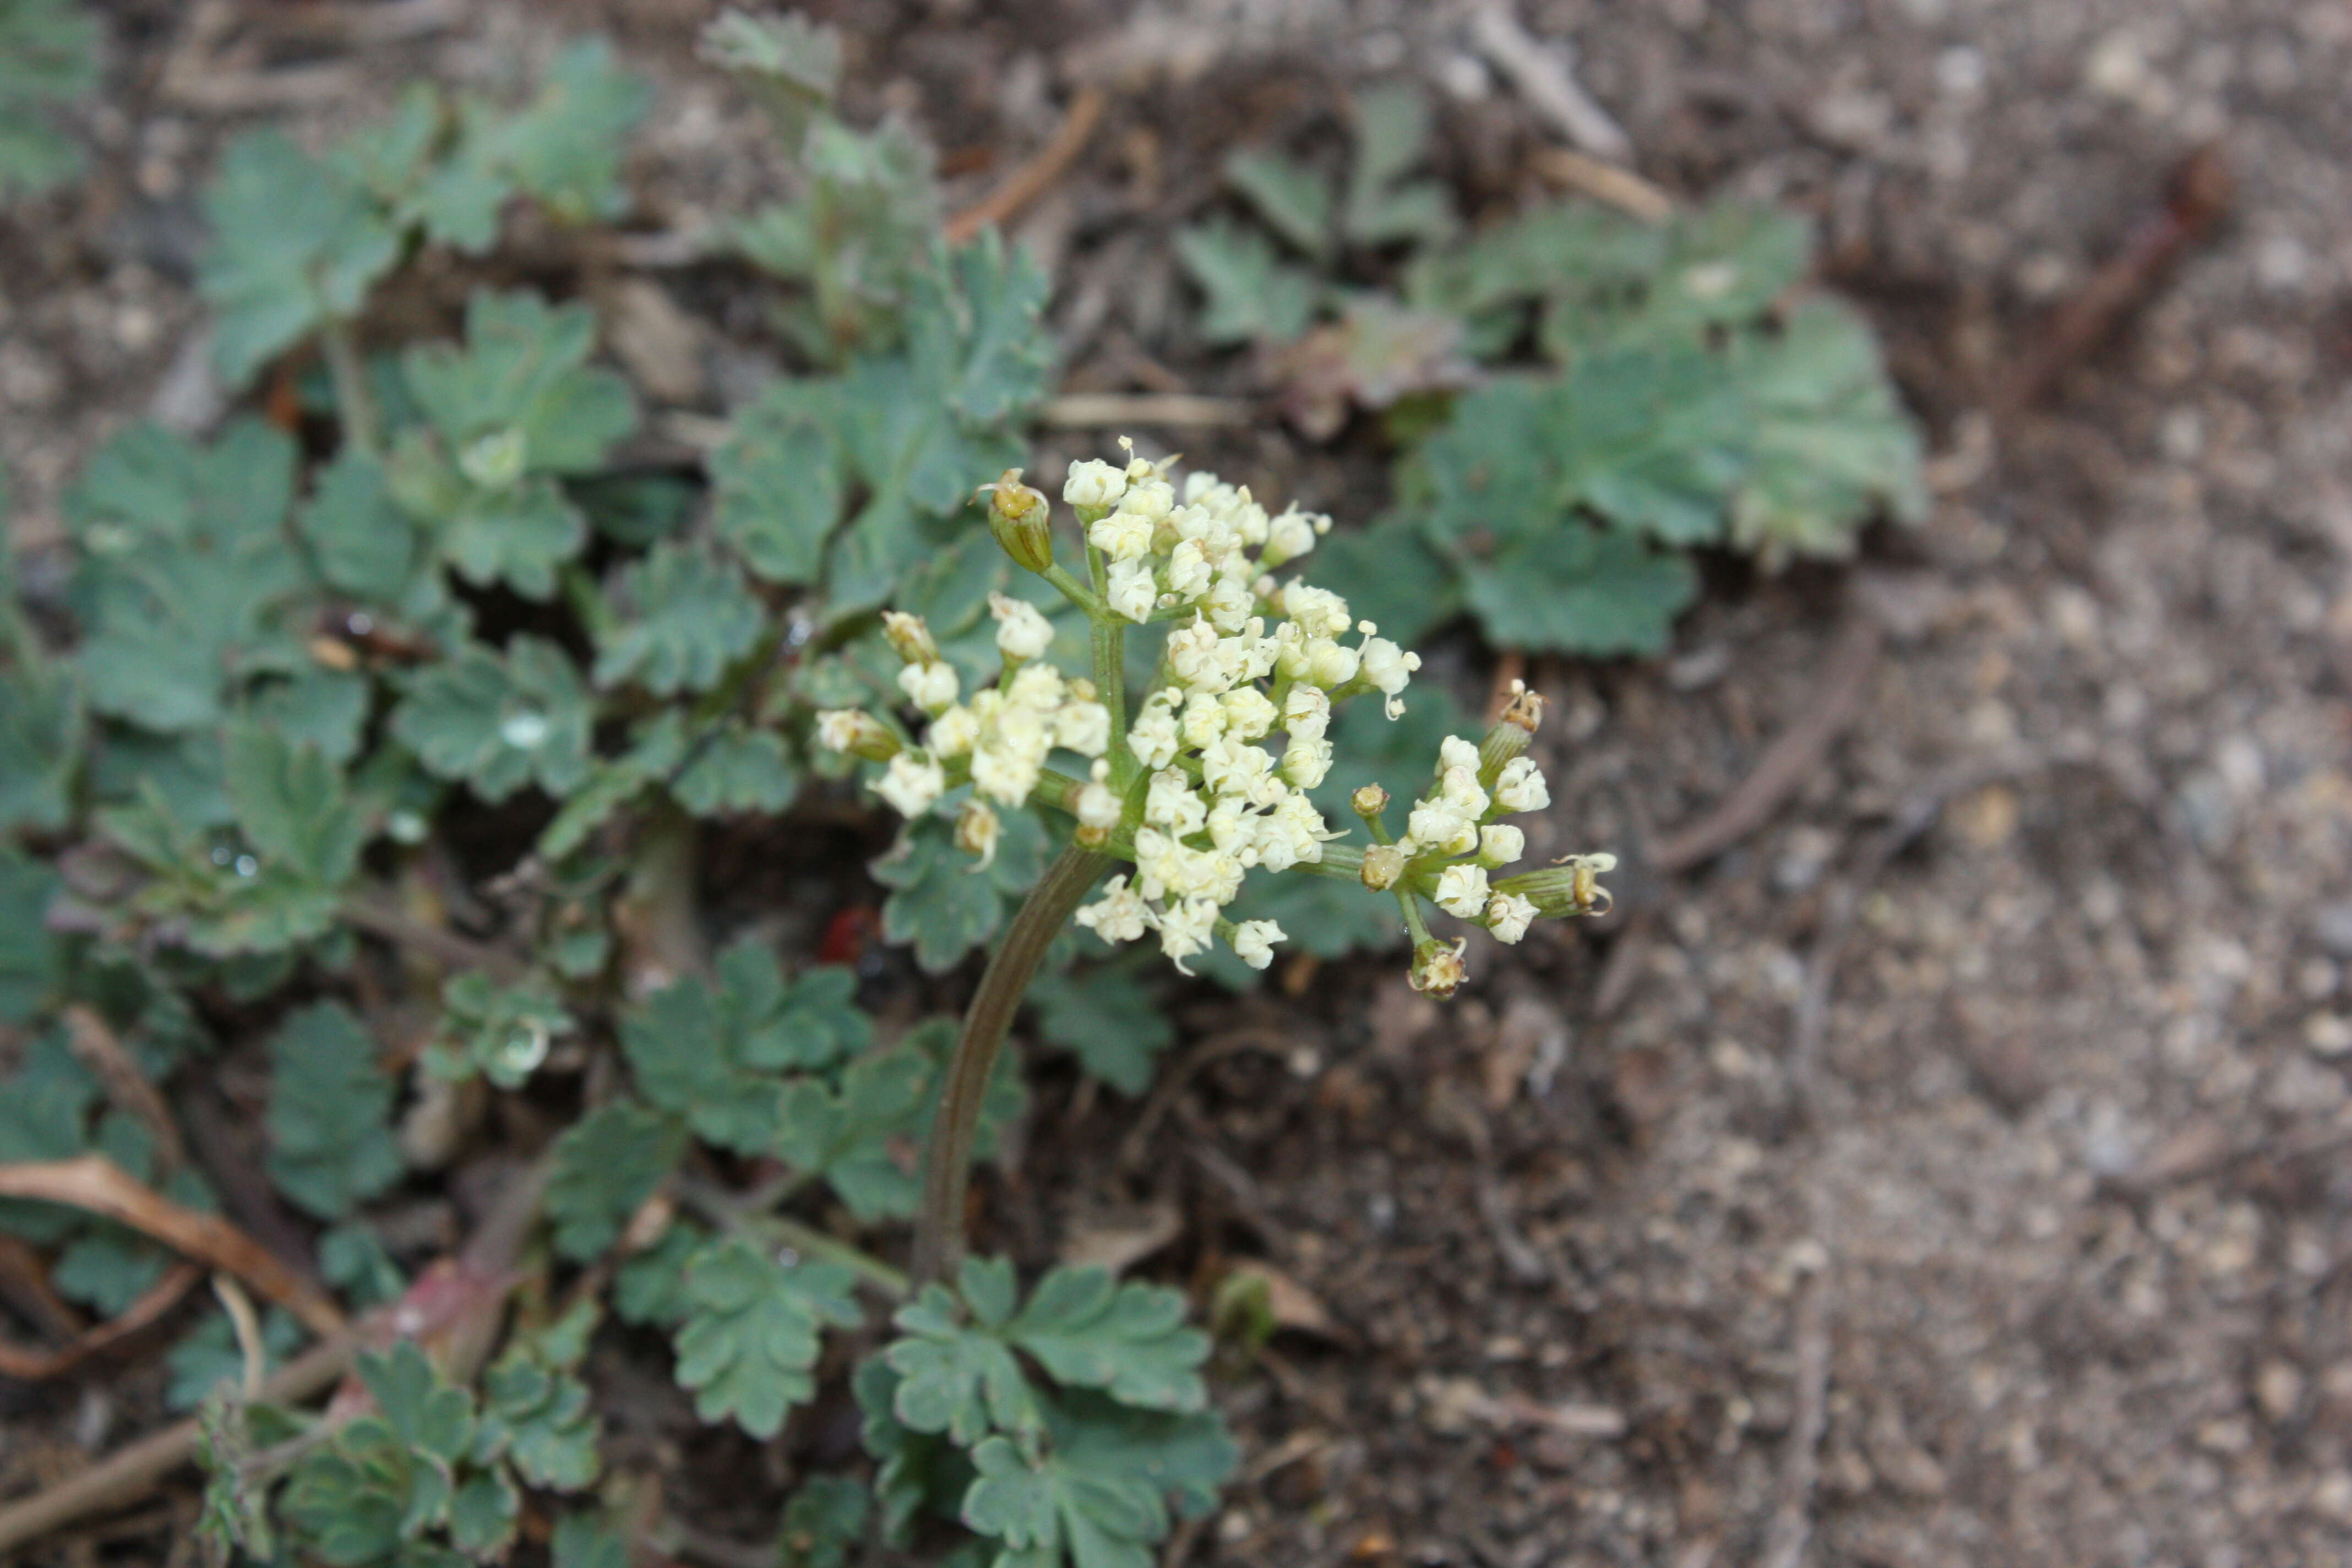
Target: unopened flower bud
[[858, 732], [1369, 802], [909, 638], [1513, 728], [1019, 518], [1383, 864], [1437, 968], [977, 830]]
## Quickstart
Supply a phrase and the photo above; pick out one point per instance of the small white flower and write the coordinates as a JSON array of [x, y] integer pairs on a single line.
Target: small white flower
[[1097, 808], [1292, 535], [1388, 666], [1170, 804], [1022, 629], [952, 734], [1132, 592], [911, 782], [1084, 728], [1458, 787], [1435, 822], [1520, 786], [1319, 612], [1036, 686], [1330, 665], [1253, 941], [1307, 763], [1249, 713], [1122, 536], [837, 727], [1509, 915], [1119, 915], [1188, 570], [1307, 712], [976, 831], [1152, 736], [1501, 844], [1185, 929], [1150, 499], [1093, 484], [1454, 751], [1204, 718], [929, 687], [1462, 891]]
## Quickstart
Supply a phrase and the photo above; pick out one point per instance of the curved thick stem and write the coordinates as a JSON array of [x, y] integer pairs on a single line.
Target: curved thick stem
[[947, 1159]]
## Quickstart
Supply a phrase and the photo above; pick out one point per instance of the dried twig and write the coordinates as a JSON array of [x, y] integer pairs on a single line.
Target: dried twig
[[1621, 188], [2197, 194], [460, 1304], [94, 1045], [95, 1183], [35, 1366], [1789, 761], [1105, 410], [1036, 177], [1544, 75], [437, 941]]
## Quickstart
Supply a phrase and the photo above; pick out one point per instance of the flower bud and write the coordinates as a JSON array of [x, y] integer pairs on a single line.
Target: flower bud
[[909, 638], [1383, 864], [1513, 728], [1019, 518], [1437, 968], [977, 830], [1369, 802], [857, 731], [497, 461]]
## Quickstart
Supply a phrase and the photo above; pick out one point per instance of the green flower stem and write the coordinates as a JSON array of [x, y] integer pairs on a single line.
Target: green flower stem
[[1109, 648], [947, 1158], [353, 403], [1077, 593]]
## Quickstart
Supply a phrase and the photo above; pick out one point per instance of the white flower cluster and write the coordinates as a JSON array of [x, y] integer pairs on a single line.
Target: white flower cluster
[[1217, 802], [1456, 818], [1004, 732]]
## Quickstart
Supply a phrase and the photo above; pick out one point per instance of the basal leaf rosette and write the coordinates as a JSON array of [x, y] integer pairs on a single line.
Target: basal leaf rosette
[[1207, 780]]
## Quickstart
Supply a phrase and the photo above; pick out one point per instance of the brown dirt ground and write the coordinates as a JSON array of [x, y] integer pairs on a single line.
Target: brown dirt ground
[[2061, 1192]]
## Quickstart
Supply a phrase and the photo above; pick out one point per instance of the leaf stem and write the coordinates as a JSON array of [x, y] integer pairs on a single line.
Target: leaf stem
[[354, 404], [947, 1158]]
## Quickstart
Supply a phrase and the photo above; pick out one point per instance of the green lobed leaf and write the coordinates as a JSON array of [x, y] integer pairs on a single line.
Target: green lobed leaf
[[292, 805], [330, 1139], [1102, 1014], [711, 1054], [779, 484], [49, 58], [650, 1288], [494, 1031], [656, 748], [1095, 1495], [941, 900], [824, 1524], [739, 769], [497, 723], [542, 1421], [44, 729], [32, 961], [295, 243], [566, 146], [1833, 444], [605, 1165], [1251, 295], [690, 616], [845, 1134], [749, 1341], [364, 542], [1294, 200], [522, 371], [1382, 206], [183, 563], [1584, 591], [587, 1540]]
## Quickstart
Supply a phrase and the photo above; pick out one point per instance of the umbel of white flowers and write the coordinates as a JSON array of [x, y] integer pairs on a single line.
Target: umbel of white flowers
[[1195, 791]]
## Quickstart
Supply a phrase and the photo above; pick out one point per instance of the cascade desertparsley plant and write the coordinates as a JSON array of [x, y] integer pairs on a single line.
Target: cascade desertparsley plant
[[1191, 792]]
